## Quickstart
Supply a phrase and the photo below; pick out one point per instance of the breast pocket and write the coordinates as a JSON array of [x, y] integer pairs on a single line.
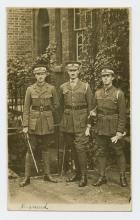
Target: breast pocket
[[35, 100], [80, 97], [48, 99], [65, 91], [111, 104]]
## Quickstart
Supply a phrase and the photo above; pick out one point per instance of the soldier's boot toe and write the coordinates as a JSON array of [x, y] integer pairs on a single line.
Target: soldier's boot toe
[[83, 181], [123, 181], [102, 180], [73, 178], [25, 182], [50, 179]]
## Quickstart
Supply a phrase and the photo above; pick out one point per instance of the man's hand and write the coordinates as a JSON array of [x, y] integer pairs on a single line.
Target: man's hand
[[25, 130], [93, 112], [115, 139], [118, 136], [87, 132]]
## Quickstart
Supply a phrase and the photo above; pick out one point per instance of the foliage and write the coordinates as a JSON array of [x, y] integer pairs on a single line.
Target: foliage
[[106, 44], [20, 69], [112, 46], [48, 58], [87, 55]]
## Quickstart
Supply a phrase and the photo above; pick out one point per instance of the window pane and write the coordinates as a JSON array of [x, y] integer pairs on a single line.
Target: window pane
[[79, 51], [89, 18], [80, 39]]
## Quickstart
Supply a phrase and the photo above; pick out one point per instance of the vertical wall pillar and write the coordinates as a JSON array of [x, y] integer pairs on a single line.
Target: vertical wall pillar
[[68, 35], [55, 32], [52, 27], [65, 35]]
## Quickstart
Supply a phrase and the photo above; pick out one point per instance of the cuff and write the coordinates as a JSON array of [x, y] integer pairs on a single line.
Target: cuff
[[88, 126]]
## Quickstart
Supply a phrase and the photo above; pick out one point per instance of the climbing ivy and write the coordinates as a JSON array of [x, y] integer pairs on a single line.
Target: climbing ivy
[[107, 43]]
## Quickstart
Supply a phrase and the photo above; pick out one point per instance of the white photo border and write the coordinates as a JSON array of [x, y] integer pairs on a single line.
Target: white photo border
[[135, 107]]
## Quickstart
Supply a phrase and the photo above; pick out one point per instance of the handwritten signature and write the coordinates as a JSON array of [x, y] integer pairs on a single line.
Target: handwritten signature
[[34, 206]]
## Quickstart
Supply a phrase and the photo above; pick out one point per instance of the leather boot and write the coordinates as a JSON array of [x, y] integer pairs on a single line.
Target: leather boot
[[73, 178], [25, 182], [82, 157], [77, 174], [102, 165], [49, 178], [102, 180], [83, 181], [28, 164], [123, 180], [46, 161]]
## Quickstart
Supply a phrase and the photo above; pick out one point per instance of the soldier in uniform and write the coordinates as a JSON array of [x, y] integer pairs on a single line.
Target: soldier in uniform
[[40, 103], [111, 116], [76, 99]]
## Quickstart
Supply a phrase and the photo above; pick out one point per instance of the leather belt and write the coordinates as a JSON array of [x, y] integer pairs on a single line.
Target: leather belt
[[107, 113], [76, 107], [108, 116], [41, 108]]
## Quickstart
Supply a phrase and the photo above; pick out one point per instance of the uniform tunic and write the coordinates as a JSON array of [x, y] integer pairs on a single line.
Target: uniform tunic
[[40, 103], [77, 103], [111, 111], [111, 115]]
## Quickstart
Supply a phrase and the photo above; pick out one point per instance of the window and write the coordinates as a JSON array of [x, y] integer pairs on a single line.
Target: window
[[82, 18], [88, 17]]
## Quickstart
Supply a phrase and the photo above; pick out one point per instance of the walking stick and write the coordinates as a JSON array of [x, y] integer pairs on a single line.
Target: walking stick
[[30, 147]]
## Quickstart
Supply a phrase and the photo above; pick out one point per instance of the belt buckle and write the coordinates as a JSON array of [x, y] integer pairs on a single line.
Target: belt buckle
[[41, 108]]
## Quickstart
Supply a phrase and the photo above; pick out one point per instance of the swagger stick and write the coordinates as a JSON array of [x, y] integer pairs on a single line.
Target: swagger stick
[[30, 147]]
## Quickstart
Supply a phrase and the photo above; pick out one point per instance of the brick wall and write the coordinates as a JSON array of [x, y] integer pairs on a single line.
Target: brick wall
[[23, 34], [19, 32]]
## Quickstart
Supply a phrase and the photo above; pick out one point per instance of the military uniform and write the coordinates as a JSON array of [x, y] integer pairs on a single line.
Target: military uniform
[[111, 117], [40, 103], [77, 103]]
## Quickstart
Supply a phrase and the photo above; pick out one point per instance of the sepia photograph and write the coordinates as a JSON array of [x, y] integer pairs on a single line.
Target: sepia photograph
[[69, 109]]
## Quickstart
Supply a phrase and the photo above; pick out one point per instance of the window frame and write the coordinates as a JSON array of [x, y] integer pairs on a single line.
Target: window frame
[[85, 19], [82, 28]]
